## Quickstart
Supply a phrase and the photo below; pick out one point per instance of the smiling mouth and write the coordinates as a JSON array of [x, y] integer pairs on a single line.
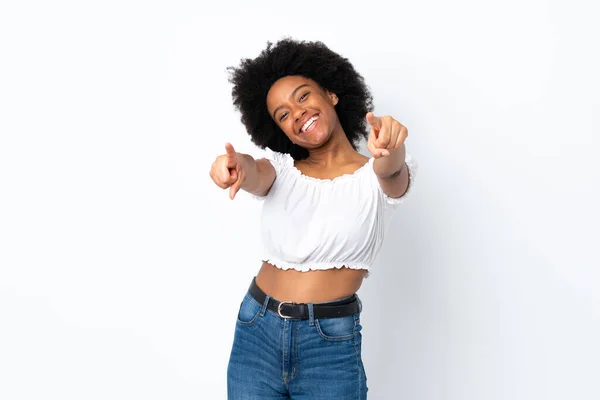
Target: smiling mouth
[[310, 124]]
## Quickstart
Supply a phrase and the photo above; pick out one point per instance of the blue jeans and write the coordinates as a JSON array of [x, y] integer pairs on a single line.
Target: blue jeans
[[278, 358]]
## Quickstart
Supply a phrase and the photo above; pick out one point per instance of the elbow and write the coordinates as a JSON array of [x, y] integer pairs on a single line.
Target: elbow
[[398, 173]]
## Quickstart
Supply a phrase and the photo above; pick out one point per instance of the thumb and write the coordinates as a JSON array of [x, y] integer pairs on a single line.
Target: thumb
[[374, 121], [240, 177]]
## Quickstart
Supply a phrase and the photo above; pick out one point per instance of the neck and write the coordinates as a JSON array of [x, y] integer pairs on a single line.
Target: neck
[[336, 148]]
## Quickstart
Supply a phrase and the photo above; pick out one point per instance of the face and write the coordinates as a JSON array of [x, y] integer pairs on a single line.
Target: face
[[303, 110]]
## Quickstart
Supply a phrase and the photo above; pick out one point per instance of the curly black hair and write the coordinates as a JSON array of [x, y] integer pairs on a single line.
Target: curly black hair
[[314, 60]]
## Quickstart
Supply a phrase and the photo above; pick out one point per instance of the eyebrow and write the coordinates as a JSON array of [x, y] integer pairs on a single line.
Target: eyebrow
[[293, 94]]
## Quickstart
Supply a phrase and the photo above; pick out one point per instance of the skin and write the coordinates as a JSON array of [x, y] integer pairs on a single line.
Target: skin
[[291, 101]]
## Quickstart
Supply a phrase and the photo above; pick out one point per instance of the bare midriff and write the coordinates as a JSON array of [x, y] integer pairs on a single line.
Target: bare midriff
[[317, 286]]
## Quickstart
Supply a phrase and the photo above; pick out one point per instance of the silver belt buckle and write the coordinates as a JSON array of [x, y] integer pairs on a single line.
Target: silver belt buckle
[[279, 309]]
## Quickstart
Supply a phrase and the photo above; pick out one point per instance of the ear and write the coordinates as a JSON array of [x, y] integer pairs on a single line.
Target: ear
[[333, 97]]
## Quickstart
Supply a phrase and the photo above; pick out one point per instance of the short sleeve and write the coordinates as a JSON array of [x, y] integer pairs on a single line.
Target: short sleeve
[[280, 161], [412, 166]]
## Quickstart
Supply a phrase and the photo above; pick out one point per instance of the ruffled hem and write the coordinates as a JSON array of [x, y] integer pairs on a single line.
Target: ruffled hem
[[256, 197], [315, 266]]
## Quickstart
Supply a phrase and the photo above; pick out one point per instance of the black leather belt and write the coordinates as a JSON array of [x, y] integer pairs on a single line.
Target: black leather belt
[[287, 309]]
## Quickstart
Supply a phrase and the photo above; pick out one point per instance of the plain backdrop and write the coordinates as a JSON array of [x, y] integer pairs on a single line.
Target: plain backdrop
[[122, 266]]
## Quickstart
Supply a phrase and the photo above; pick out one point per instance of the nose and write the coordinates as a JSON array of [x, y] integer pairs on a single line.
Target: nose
[[299, 113]]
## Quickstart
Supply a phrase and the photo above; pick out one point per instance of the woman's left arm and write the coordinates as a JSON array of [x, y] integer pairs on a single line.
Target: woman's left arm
[[386, 144]]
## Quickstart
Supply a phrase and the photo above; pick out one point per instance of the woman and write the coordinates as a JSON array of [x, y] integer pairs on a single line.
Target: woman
[[326, 208]]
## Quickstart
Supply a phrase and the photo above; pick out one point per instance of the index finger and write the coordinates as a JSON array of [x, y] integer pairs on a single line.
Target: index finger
[[374, 121], [229, 149]]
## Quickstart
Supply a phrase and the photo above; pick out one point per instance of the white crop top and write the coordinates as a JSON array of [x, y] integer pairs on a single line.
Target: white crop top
[[314, 224]]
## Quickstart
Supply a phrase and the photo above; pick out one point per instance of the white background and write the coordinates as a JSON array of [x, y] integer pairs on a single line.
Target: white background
[[122, 266]]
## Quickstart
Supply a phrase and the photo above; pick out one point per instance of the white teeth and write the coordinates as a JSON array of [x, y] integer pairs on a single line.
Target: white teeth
[[309, 123]]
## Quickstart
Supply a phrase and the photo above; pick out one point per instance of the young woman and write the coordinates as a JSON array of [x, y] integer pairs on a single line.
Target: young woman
[[325, 213]]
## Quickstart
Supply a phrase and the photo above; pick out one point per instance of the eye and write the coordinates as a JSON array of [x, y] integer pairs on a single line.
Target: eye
[[282, 117], [304, 96]]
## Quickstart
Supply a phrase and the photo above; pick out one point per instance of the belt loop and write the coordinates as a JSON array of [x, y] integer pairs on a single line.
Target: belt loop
[[264, 306], [311, 314]]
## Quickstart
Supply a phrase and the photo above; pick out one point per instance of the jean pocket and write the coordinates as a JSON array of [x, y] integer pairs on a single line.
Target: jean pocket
[[249, 311], [335, 329]]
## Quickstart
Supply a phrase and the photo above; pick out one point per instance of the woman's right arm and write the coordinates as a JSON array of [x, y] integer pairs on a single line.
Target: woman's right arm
[[260, 175]]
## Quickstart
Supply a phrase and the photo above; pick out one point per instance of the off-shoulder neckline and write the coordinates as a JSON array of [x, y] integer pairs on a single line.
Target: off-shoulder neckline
[[352, 175]]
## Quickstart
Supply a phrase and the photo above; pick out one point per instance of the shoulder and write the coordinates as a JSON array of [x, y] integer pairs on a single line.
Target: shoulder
[[280, 161]]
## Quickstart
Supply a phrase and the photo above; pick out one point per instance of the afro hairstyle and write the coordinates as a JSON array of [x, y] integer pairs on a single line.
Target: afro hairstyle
[[253, 78]]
